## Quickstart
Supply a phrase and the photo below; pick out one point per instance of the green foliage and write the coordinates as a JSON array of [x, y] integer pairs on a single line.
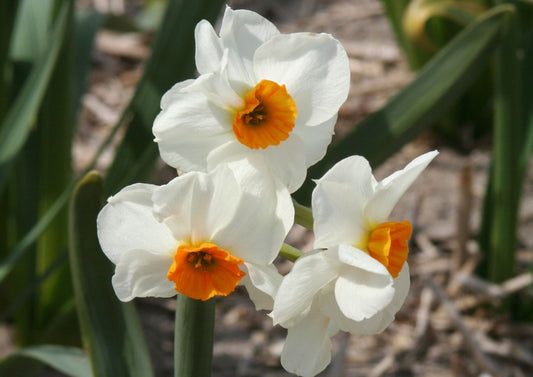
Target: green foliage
[[111, 331], [26, 362], [513, 133], [423, 28]]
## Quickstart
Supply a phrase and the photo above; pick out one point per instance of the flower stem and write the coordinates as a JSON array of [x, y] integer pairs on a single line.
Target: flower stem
[[193, 337], [303, 215], [290, 253]]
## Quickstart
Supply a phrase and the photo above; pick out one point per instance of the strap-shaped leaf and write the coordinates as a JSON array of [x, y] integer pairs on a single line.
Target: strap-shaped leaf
[[513, 132], [421, 103], [70, 361], [111, 330], [18, 122]]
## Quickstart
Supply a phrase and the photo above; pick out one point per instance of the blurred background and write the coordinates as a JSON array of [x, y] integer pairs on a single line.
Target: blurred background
[[82, 82]]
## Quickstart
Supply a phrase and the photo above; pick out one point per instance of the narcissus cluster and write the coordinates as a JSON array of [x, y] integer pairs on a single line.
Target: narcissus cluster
[[244, 133]]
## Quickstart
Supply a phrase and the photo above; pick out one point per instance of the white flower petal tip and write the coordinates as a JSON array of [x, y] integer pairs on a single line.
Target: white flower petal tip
[[249, 70], [307, 349], [126, 222]]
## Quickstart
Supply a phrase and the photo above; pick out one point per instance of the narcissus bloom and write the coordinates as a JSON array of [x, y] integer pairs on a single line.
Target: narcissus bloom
[[263, 96], [199, 235], [357, 279]]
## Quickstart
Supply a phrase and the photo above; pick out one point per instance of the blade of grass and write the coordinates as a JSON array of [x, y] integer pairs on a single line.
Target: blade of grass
[[30, 37], [87, 24], [55, 128], [512, 129], [8, 10], [22, 209], [111, 330], [20, 118], [70, 361], [421, 103]]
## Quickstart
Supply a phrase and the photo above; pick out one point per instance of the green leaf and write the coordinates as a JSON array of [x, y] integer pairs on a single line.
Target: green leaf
[[55, 132], [421, 103], [30, 37], [24, 362], [7, 15], [22, 247], [513, 121], [111, 330], [20, 118], [87, 24]]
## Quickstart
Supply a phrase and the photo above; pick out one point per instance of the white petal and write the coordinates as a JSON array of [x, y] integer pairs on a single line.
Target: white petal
[[286, 161], [174, 93], [262, 283], [188, 128], [391, 189], [208, 48], [141, 273], [338, 202], [401, 288], [261, 219], [316, 139], [361, 294], [308, 276], [355, 257], [127, 222], [217, 88], [314, 68], [378, 322], [196, 205], [243, 31], [253, 175], [307, 349]]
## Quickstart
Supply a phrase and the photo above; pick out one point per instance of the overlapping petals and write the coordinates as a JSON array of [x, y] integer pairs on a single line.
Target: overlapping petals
[[142, 227], [195, 130], [340, 286]]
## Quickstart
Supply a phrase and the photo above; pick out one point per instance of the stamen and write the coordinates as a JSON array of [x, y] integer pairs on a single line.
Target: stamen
[[204, 271], [388, 244], [267, 117]]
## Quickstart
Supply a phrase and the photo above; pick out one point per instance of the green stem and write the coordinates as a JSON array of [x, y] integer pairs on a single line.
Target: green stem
[[303, 215], [193, 337], [290, 253]]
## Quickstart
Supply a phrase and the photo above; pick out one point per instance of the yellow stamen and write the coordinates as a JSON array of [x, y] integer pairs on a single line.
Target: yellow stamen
[[267, 117], [387, 243], [204, 271]]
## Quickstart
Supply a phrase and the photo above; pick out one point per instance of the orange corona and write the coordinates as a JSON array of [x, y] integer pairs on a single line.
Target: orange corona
[[201, 272], [387, 243], [267, 117]]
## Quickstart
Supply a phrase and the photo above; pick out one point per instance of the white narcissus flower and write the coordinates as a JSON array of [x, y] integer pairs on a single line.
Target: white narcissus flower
[[200, 235], [357, 279], [263, 96]]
